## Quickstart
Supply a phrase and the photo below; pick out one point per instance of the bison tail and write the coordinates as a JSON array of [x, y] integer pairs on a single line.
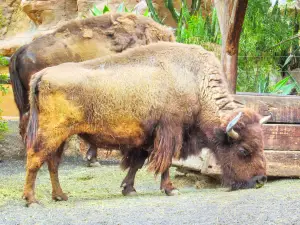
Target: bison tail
[[19, 90], [167, 143], [33, 123]]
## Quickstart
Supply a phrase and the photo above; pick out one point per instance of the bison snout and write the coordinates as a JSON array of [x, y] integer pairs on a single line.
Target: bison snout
[[259, 181], [254, 182]]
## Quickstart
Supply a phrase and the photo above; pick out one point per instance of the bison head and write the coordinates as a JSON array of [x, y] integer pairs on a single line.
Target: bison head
[[240, 150]]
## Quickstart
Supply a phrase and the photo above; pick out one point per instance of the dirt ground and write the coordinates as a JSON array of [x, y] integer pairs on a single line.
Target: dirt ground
[[95, 198]]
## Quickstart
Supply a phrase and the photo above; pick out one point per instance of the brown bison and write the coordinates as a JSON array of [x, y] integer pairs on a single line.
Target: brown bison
[[77, 41], [158, 101]]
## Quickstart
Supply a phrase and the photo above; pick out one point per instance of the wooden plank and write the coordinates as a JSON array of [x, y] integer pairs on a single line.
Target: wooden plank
[[279, 163], [283, 163], [282, 137], [284, 109]]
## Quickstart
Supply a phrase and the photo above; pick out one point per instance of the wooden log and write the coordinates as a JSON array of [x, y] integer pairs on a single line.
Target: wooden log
[[282, 137], [284, 108], [283, 163], [279, 163], [204, 162]]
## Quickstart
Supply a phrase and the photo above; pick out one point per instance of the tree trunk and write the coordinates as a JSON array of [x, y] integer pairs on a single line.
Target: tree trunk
[[231, 14]]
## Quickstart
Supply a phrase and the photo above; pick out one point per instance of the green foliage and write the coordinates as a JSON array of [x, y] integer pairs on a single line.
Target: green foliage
[[121, 9], [96, 12], [263, 51], [3, 61], [282, 87], [3, 91], [177, 16], [196, 29], [153, 12]]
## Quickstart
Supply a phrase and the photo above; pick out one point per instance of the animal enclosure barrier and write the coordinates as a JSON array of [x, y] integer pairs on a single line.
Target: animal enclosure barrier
[[281, 136]]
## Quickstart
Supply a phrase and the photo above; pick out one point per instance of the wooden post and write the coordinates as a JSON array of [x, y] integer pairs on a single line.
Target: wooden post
[[231, 14]]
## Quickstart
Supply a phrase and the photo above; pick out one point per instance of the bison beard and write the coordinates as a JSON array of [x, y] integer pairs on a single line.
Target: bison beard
[[156, 102]]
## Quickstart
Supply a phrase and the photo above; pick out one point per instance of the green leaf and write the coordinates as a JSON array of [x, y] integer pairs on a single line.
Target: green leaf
[[120, 8], [3, 90], [126, 10], [153, 12], [279, 84], [105, 9], [95, 11], [146, 13], [3, 61], [288, 60], [285, 90]]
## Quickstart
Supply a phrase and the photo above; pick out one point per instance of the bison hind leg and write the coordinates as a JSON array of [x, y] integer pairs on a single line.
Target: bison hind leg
[[34, 162], [133, 159], [53, 164]]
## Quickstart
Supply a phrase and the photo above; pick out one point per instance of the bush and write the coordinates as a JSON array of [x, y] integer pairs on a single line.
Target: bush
[[3, 91], [263, 51], [121, 9]]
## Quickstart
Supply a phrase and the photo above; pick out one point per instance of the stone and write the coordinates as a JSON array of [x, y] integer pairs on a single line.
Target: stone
[[87, 33]]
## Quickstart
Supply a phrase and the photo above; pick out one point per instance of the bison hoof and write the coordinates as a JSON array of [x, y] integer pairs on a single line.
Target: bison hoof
[[33, 205], [129, 191], [94, 164], [172, 192], [30, 200], [132, 193], [60, 197]]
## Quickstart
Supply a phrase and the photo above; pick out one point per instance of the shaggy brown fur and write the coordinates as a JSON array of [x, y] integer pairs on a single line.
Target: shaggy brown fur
[[77, 41], [166, 99]]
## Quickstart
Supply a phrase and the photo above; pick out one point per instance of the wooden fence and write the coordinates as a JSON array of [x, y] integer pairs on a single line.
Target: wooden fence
[[281, 136]]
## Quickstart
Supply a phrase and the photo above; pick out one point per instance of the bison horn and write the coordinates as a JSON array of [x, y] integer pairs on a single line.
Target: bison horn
[[229, 129], [265, 119]]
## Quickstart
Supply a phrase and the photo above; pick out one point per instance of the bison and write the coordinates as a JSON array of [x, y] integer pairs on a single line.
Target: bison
[[155, 102], [77, 41]]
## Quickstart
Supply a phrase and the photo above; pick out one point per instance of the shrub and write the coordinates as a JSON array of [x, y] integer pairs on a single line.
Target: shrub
[[265, 49], [3, 91]]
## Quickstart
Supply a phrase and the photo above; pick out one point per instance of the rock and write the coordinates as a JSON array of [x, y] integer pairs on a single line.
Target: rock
[[11, 146], [8, 47], [87, 33], [12, 19], [49, 13]]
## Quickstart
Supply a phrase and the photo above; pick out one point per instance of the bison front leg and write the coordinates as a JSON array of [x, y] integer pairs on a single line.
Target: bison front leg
[[53, 164], [34, 162], [166, 184]]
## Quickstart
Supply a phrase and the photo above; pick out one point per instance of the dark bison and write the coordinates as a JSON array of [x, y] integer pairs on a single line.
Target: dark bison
[[77, 41], [158, 101]]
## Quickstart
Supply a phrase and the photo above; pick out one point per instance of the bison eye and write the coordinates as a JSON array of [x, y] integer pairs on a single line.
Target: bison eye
[[243, 152]]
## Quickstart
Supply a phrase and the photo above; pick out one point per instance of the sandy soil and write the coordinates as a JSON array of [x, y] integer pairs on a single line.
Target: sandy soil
[[95, 198]]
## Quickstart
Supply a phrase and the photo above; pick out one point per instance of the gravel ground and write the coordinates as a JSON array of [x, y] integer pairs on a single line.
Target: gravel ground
[[95, 198]]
